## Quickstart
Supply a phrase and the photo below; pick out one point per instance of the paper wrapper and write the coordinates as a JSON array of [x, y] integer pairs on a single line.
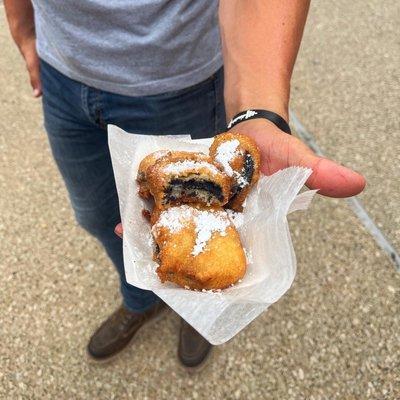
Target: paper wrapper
[[264, 233]]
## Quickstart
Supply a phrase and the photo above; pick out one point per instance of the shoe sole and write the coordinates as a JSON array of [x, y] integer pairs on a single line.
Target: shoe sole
[[107, 360]]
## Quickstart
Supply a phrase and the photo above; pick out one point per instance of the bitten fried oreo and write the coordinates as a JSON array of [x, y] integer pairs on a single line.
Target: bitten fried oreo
[[197, 247], [185, 177], [147, 162], [239, 157]]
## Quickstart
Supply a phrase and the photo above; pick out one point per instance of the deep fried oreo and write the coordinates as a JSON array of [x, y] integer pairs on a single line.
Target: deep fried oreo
[[197, 247], [239, 157], [147, 162], [184, 177]]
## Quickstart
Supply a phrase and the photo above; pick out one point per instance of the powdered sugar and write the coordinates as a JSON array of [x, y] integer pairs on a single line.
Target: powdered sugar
[[182, 166], [226, 152], [242, 182], [206, 223], [174, 218]]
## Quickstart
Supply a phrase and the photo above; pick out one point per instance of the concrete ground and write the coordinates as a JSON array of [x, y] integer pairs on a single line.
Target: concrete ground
[[334, 335]]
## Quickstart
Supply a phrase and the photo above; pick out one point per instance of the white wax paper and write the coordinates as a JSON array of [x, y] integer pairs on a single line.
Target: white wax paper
[[264, 233]]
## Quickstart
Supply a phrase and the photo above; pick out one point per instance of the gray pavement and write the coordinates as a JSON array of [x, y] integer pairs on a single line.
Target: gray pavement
[[335, 335], [346, 90]]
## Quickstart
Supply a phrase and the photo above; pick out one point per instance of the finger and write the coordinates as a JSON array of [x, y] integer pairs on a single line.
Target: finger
[[119, 230], [33, 67], [332, 179], [35, 81], [37, 92], [280, 150]]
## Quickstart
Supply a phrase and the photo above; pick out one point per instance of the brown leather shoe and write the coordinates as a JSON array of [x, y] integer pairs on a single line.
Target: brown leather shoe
[[115, 333], [193, 349]]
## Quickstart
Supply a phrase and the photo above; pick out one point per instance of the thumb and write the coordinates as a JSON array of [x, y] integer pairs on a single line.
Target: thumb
[[333, 179]]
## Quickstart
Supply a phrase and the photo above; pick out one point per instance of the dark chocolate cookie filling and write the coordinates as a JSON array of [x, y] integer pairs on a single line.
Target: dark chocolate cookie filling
[[248, 168], [191, 187], [247, 173]]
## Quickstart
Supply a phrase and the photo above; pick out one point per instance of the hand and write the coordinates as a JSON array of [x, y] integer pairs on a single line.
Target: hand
[[28, 51], [21, 21], [280, 150]]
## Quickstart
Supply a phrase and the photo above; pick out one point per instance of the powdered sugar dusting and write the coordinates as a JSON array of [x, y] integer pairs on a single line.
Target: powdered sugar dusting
[[174, 218], [182, 166], [226, 152], [206, 223], [242, 182]]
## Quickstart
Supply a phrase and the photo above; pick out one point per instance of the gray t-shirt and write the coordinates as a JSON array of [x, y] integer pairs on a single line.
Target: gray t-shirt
[[130, 47]]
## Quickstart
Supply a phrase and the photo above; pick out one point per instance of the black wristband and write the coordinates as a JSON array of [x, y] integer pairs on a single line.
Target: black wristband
[[252, 114]]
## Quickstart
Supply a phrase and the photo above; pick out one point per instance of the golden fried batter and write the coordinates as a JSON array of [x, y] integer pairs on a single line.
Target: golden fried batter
[[198, 248], [239, 157], [184, 177], [147, 162]]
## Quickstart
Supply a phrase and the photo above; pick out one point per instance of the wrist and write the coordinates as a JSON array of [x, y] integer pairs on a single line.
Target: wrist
[[254, 125], [268, 115], [24, 40], [27, 47], [259, 128], [265, 98], [279, 107]]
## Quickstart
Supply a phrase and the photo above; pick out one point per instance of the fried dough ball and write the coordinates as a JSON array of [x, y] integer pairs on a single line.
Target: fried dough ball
[[184, 177], [197, 247], [239, 157], [147, 162]]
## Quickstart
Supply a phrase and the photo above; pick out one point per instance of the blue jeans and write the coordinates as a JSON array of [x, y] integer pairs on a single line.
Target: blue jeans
[[76, 118]]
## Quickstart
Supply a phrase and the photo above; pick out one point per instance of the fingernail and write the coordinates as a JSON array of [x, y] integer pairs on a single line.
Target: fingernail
[[36, 92]]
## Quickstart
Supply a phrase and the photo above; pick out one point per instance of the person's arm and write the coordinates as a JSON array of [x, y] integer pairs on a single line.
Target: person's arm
[[260, 41], [22, 27]]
